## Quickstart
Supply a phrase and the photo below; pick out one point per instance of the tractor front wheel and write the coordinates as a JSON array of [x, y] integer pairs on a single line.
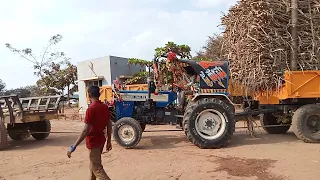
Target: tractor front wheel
[[127, 132], [209, 123]]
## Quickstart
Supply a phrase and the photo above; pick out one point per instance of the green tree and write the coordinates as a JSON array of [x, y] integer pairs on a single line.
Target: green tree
[[27, 91], [2, 87], [60, 76], [45, 58], [53, 67], [182, 51], [22, 92]]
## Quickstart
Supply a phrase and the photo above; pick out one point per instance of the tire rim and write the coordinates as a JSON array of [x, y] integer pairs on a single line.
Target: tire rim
[[126, 133], [210, 124], [313, 124]]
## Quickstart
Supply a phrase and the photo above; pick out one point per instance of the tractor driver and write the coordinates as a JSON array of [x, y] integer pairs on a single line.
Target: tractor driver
[[96, 120]]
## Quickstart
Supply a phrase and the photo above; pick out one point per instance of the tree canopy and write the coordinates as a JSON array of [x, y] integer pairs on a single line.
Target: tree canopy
[[60, 76], [212, 50], [2, 86], [45, 58], [182, 51], [54, 69]]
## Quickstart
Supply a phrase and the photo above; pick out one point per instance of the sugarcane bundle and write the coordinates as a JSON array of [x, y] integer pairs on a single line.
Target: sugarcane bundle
[[258, 42]]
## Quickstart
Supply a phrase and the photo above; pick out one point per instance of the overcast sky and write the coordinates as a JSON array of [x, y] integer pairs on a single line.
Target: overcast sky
[[96, 28]]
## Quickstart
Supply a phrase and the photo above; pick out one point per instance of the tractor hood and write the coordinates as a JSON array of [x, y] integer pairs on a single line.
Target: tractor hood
[[213, 74]]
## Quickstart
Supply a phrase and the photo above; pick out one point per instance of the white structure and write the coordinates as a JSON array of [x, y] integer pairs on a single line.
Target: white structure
[[102, 71]]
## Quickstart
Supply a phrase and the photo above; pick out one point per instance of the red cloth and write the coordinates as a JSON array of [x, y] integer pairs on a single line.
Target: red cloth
[[98, 116], [171, 56]]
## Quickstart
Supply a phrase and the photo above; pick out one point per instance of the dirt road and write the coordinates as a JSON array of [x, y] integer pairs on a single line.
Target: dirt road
[[164, 155]]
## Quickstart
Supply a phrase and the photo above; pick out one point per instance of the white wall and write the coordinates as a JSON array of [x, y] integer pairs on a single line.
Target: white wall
[[101, 67], [110, 67]]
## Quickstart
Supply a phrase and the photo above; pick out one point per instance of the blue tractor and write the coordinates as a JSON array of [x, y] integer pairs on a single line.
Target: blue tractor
[[204, 112]]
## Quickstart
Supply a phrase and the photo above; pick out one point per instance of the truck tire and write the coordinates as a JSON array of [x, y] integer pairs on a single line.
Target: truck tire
[[41, 126], [269, 119], [306, 123], [3, 136], [127, 132], [217, 120]]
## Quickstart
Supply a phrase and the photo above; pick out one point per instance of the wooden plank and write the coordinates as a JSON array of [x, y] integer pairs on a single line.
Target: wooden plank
[[12, 118]]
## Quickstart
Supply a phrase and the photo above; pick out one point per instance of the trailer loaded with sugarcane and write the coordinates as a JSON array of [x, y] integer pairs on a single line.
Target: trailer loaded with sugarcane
[[272, 51], [21, 118]]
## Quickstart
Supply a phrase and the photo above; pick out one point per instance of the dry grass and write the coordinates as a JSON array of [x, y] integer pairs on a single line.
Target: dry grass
[[257, 40]]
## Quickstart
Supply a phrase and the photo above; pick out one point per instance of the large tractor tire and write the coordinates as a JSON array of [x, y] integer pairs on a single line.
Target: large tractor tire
[[269, 120], [3, 136], [127, 132], [41, 126], [209, 123], [306, 123]]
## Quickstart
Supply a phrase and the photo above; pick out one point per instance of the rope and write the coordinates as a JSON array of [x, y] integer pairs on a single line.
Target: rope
[[78, 132]]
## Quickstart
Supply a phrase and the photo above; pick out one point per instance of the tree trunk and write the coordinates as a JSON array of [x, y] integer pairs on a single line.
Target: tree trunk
[[68, 88], [63, 102]]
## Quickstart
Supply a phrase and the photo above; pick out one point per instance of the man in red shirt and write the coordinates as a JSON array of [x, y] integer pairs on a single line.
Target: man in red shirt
[[96, 120]]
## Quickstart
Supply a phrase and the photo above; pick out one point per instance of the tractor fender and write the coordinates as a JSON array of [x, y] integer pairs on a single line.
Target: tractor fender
[[221, 97]]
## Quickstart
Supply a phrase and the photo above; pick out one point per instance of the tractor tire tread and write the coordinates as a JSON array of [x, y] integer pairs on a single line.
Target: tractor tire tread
[[298, 120], [137, 127], [202, 144]]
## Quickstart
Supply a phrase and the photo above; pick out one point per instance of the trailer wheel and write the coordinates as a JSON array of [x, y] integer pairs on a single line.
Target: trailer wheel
[[268, 120], [41, 126], [306, 123], [209, 123], [127, 132], [18, 132], [3, 136]]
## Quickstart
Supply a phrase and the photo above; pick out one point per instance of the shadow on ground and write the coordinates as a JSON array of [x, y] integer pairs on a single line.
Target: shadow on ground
[[53, 140], [156, 140], [241, 139], [162, 141]]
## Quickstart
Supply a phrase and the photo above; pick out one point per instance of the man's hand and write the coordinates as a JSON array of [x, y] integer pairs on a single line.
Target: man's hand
[[108, 146], [71, 150]]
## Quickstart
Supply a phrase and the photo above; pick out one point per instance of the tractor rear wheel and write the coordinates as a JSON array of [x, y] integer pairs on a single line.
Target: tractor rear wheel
[[3, 136], [209, 123], [42, 126], [127, 132], [306, 123], [269, 120]]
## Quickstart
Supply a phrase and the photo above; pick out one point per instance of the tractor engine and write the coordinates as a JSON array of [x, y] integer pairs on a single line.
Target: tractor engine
[[148, 113]]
